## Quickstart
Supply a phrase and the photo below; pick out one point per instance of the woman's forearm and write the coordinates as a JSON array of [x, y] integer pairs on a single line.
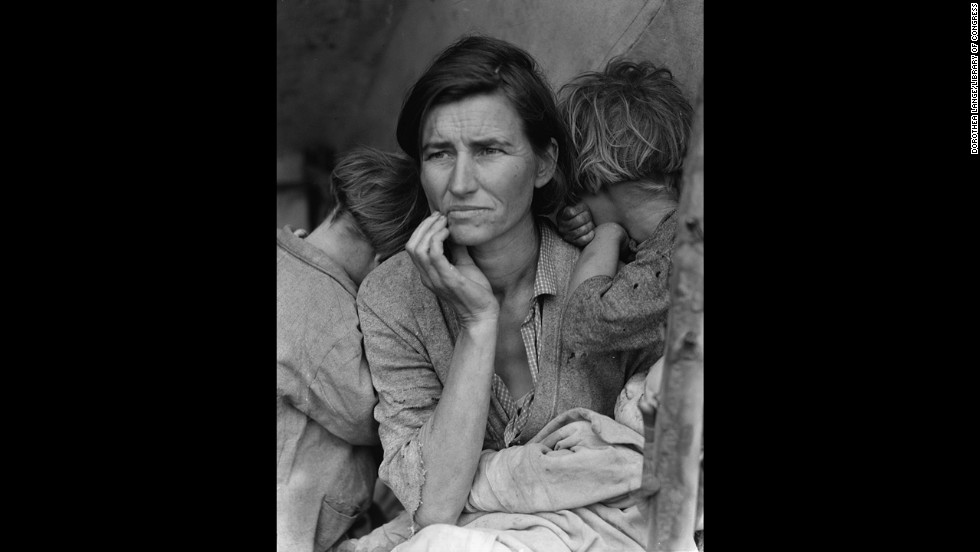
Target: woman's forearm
[[456, 429]]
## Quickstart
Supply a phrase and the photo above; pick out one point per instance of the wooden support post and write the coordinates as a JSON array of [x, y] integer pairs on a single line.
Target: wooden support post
[[674, 431]]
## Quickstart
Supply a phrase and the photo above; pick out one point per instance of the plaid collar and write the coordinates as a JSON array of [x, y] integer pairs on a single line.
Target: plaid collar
[[546, 280]]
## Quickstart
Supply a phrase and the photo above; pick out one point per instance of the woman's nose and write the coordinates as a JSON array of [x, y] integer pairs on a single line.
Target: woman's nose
[[461, 181]]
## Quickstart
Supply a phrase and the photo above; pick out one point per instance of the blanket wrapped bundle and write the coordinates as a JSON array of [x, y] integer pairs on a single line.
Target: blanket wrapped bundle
[[580, 458], [568, 488]]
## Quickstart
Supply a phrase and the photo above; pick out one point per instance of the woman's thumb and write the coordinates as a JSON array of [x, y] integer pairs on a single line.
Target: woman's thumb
[[460, 255]]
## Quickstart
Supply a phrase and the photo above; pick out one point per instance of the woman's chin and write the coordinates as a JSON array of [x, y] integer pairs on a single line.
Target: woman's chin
[[468, 236]]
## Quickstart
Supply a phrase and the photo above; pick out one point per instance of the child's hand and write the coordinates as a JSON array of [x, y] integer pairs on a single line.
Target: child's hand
[[575, 225]]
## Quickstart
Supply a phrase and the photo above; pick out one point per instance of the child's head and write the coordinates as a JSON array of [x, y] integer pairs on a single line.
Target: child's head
[[643, 383], [628, 123], [381, 193], [627, 410]]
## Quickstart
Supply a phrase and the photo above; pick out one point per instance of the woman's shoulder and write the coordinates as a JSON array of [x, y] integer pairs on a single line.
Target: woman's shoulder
[[393, 281], [557, 255], [392, 301]]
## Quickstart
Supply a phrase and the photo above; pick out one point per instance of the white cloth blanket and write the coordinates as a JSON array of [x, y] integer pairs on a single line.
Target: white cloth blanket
[[568, 488]]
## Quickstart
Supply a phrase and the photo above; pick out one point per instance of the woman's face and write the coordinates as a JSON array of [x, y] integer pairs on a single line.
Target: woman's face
[[479, 169]]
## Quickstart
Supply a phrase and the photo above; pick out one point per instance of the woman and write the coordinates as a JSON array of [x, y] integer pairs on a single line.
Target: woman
[[461, 330]]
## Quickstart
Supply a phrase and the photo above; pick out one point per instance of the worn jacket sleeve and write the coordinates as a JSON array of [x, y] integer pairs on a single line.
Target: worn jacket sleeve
[[322, 371], [627, 311], [408, 390]]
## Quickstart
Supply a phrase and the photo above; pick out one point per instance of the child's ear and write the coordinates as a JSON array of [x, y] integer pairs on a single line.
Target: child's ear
[[547, 164]]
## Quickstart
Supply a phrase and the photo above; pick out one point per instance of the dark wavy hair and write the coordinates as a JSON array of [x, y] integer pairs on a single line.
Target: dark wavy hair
[[382, 193], [476, 65], [629, 122]]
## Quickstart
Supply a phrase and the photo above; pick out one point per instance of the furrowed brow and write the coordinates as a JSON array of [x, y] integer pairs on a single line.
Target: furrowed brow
[[436, 144], [489, 142]]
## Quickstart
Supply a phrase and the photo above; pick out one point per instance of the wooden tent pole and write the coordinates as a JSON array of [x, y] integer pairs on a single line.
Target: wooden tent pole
[[674, 430]]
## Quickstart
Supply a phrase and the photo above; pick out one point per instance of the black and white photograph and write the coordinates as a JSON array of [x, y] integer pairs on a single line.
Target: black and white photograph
[[489, 275]]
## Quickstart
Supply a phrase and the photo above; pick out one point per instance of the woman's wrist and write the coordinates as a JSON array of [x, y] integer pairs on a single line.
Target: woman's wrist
[[481, 325]]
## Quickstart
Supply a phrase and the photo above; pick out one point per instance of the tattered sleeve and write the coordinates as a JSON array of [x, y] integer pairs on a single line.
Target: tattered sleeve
[[627, 311], [321, 369], [408, 390]]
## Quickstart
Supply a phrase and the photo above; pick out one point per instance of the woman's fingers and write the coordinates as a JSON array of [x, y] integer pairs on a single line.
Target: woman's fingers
[[437, 256], [434, 238], [552, 439], [418, 247], [471, 289], [429, 249], [413, 242], [461, 282], [461, 255]]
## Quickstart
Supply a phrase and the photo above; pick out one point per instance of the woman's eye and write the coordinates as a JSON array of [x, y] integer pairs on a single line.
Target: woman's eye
[[436, 155]]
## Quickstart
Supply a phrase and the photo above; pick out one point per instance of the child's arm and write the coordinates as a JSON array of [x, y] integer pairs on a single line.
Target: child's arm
[[627, 311], [601, 256]]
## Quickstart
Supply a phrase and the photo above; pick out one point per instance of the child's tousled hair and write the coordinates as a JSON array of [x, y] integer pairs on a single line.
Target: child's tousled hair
[[629, 122], [381, 192]]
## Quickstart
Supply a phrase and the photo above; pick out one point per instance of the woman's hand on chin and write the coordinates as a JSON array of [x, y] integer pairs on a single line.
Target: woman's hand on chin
[[464, 285]]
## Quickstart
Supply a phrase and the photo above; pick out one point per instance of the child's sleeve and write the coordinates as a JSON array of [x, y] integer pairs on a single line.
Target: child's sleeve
[[624, 312], [325, 374]]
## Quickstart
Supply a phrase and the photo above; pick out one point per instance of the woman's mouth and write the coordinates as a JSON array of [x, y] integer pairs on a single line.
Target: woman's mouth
[[465, 212]]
